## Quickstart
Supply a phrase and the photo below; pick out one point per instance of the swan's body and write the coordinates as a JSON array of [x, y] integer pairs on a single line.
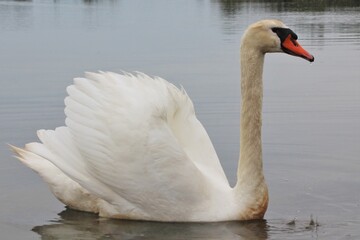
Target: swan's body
[[133, 148]]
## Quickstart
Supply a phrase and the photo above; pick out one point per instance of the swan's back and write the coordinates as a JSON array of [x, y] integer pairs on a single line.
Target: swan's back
[[133, 141]]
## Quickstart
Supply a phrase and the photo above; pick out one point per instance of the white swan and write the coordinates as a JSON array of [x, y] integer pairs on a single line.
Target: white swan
[[133, 148]]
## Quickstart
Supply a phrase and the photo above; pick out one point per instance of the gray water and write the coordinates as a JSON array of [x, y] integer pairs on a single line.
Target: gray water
[[311, 120]]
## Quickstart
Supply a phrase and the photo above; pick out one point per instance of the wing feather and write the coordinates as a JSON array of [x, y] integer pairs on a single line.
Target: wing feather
[[134, 138]]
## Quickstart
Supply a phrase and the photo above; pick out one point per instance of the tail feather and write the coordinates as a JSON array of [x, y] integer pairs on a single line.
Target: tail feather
[[33, 161], [65, 189]]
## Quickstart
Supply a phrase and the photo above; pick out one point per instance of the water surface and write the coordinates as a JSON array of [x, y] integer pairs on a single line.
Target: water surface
[[311, 127]]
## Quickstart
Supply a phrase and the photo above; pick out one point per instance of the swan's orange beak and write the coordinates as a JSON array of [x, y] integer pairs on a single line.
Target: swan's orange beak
[[292, 47]]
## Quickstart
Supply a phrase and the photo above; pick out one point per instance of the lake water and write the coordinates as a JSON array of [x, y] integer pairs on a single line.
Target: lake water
[[311, 121]]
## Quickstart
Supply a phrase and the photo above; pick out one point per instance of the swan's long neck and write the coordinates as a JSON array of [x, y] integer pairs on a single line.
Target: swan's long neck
[[250, 170], [250, 191]]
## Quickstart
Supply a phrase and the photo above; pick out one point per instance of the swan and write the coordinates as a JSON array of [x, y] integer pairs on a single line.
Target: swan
[[132, 147]]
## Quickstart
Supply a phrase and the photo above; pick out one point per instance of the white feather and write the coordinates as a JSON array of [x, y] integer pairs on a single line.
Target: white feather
[[133, 141]]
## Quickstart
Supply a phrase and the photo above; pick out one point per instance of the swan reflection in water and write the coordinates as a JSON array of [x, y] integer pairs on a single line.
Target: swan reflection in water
[[80, 225]]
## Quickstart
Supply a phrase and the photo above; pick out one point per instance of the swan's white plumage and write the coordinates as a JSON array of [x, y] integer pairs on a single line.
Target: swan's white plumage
[[133, 141], [133, 148]]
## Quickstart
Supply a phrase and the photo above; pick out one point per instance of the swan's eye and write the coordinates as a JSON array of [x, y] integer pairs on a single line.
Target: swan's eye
[[284, 32], [274, 29]]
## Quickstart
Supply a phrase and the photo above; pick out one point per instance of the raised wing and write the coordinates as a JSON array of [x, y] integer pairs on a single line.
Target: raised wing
[[135, 142]]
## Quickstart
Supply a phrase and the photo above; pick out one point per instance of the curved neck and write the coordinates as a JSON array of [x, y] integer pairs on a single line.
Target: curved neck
[[250, 171]]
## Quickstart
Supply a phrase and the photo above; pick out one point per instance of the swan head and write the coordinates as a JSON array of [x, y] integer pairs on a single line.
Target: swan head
[[274, 36]]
